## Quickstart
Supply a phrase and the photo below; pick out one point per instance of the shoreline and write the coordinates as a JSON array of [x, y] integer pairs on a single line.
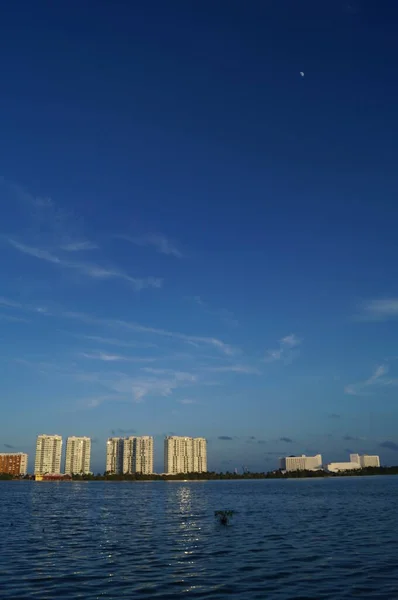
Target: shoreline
[[211, 476]]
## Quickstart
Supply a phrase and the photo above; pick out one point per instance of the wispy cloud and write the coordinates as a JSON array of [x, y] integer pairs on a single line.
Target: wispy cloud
[[128, 326], [138, 387], [224, 314], [78, 246], [283, 352], [334, 416], [225, 438], [243, 369], [382, 309], [187, 401], [90, 270], [157, 241], [288, 440], [9, 446], [106, 357], [13, 319], [115, 342], [378, 378]]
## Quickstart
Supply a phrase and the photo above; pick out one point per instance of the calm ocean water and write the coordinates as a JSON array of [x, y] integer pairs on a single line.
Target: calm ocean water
[[334, 538]]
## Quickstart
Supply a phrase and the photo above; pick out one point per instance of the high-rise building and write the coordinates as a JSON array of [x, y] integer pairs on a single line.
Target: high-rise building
[[185, 455], [199, 455], [78, 452], [48, 454], [114, 455], [301, 463], [13, 463], [138, 454]]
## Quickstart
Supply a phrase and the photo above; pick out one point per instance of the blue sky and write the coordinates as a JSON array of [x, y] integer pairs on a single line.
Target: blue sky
[[195, 237]]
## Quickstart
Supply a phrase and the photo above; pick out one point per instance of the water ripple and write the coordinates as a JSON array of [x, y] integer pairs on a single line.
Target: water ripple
[[296, 540]]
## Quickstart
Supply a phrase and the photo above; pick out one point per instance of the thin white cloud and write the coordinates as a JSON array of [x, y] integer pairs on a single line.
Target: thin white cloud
[[224, 314], [378, 378], [115, 342], [106, 357], [140, 387], [127, 326], [379, 310], [13, 319], [157, 241], [243, 369], [290, 341], [10, 303], [79, 246], [90, 270], [286, 344], [187, 401]]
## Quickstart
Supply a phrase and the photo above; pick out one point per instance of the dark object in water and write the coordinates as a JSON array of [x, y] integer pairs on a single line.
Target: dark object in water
[[224, 516]]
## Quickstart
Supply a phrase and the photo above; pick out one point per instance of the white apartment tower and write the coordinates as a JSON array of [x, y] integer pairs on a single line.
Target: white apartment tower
[[78, 452], [138, 454], [185, 455], [48, 454], [114, 455]]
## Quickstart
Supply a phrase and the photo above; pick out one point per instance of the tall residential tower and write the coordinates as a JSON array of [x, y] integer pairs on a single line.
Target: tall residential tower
[[138, 455], [114, 455], [185, 455], [78, 451], [48, 454]]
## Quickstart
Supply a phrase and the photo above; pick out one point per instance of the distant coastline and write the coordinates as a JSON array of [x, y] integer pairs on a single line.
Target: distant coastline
[[212, 476]]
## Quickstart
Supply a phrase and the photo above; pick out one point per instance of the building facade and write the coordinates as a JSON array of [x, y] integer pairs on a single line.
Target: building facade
[[365, 460], [357, 461], [185, 455], [114, 455], [13, 463], [301, 463], [48, 454], [138, 454], [78, 455]]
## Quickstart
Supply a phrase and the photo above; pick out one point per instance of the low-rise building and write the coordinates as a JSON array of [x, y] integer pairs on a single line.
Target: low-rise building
[[13, 463], [301, 463], [335, 467], [357, 461]]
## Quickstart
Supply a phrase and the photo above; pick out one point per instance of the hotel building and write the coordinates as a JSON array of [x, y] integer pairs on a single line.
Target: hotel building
[[138, 454], [301, 463], [357, 461], [185, 455], [48, 454], [78, 453], [13, 463]]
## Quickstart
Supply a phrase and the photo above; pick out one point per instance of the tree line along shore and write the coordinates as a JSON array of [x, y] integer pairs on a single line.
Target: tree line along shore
[[212, 476]]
